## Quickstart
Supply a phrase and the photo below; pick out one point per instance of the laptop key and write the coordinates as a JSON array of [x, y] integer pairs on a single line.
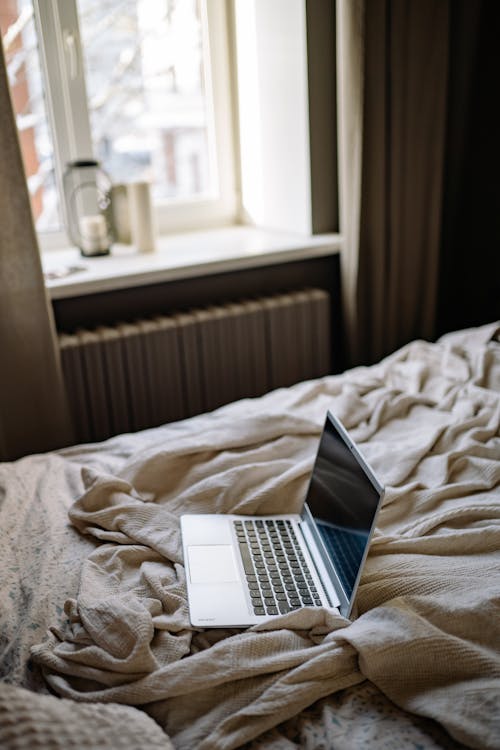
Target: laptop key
[[247, 560], [277, 579]]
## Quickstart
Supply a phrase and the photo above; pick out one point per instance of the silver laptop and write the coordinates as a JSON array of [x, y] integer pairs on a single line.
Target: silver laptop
[[242, 570]]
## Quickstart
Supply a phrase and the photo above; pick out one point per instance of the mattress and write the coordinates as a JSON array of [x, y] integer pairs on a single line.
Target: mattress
[[94, 619]]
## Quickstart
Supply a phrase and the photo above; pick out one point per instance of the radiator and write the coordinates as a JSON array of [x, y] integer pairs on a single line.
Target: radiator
[[142, 374]]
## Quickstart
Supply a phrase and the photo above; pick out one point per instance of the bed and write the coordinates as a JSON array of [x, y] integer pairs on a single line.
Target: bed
[[96, 648]]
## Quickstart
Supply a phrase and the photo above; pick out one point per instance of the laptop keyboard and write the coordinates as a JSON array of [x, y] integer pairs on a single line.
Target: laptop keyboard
[[277, 574]]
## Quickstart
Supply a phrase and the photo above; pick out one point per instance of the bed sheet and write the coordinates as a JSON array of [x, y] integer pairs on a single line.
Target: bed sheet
[[427, 418]]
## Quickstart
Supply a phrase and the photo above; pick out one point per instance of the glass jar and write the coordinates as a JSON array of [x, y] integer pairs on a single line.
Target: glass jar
[[87, 198]]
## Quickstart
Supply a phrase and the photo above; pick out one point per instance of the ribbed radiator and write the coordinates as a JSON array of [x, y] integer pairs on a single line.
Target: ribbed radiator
[[142, 374]]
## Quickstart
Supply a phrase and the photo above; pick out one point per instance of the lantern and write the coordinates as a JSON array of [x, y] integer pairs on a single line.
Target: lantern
[[87, 196]]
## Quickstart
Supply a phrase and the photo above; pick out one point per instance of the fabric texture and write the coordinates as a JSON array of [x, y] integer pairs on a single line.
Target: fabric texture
[[33, 404], [350, 87], [29, 721], [393, 97], [405, 109], [427, 628]]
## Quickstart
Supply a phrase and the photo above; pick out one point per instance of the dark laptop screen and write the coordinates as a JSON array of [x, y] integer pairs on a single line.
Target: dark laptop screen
[[343, 502]]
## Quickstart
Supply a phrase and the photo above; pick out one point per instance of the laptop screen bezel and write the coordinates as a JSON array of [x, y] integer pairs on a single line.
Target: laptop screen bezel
[[346, 602]]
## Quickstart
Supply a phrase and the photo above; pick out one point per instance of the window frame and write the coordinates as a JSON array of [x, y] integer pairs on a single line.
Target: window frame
[[63, 70]]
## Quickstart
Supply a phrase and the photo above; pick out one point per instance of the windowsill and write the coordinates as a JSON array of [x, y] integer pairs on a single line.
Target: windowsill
[[180, 256]]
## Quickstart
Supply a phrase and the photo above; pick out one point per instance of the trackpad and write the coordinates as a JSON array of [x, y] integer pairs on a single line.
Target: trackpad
[[212, 563]]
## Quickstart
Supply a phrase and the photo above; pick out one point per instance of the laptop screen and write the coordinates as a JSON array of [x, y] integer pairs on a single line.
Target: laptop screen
[[343, 502]]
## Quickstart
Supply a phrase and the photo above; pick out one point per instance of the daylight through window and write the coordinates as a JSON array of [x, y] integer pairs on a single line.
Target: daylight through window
[[129, 82]]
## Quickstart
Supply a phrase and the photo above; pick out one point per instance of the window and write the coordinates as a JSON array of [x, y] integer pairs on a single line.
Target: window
[[24, 70], [141, 85]]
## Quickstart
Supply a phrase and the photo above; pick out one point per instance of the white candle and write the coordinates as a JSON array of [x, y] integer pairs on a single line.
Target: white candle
[[93, 227], [94, 234]]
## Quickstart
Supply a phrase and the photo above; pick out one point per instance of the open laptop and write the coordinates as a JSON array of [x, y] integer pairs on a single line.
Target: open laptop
[[242, 570]]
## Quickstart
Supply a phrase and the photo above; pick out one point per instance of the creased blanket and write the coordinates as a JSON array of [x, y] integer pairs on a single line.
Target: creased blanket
[[427, 631]]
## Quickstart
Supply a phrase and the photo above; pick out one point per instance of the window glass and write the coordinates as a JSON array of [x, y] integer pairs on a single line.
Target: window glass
[[25, 78], [145, 71]]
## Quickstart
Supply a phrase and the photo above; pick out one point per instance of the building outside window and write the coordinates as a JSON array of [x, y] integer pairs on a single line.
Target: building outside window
[[141, 85]]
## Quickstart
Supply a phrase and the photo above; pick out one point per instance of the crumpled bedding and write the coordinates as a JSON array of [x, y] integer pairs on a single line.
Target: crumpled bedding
[[427, 629], [29, 721]]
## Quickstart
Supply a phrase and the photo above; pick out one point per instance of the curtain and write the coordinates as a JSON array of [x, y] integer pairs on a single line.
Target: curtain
[[469, 284], [33, 412], [350, 68], [392, 144]]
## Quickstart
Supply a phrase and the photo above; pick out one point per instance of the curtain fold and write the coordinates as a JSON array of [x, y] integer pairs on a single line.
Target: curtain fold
[[350, 69], [390, 263], [34, 416]]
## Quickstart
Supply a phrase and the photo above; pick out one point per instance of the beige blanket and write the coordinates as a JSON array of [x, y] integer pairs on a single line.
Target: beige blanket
[[428, 627]]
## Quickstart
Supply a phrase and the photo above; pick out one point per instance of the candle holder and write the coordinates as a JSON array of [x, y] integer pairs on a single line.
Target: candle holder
[[87, 196]]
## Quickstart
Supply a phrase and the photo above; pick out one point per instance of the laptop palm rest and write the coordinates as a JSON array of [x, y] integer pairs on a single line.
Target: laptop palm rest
[[212, 563]]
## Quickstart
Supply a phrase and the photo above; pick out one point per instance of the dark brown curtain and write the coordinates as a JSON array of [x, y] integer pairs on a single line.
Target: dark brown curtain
[[404, 124], [422, 248], [33, 410], [469, 279]]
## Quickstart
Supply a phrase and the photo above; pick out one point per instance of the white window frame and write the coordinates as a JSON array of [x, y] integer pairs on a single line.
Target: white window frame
[[63, 67]]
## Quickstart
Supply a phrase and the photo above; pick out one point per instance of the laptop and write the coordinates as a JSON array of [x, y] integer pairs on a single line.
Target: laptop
[[242, 570]]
